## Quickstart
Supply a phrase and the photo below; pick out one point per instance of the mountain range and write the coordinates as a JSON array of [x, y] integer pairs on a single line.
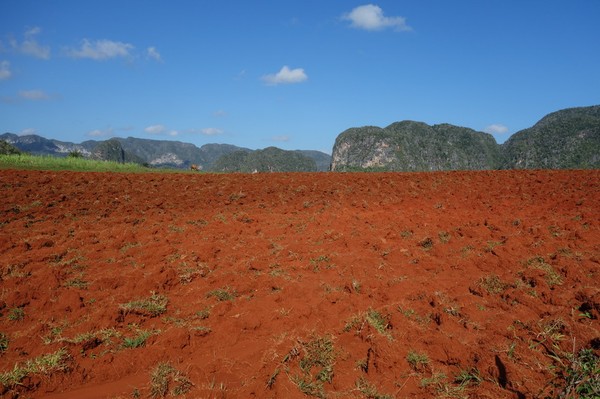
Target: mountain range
[[565, 139], [176, 154]]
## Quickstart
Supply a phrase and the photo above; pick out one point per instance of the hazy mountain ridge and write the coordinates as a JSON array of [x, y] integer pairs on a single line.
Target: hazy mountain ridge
[[165, 153], [564, 139], [268, 160]]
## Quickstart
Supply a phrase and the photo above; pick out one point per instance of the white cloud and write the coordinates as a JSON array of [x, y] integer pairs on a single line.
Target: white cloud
[[153, 53], [30, 46], [155, 129], [496, 129], [285, 76], [27, 132], [211, 131], [33, 95], [370, 17], [161, 129], [101, 133], [5, 71], [281, 138], [219, 113], [101, 50]]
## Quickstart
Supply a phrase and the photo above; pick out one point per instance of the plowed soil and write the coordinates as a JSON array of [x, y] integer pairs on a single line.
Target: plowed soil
[[410, 285]]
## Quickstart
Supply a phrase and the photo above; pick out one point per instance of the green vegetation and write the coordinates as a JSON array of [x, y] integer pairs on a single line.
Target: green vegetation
[[139, 340], [16, 314], [466, 377], [75, 154], [45, 364], [374, 319], [270, 159], [3, 342], [369, 391], [552, 277], [414, 146], [153, 306], [33, 162], [203, 314], [563, 139], [492, 284], [578, 375], [316, 363], [378, 322], [166, 379], [417, 361], [112, 150], [77, 283], [8, 149], [426, 243], [222, 294]]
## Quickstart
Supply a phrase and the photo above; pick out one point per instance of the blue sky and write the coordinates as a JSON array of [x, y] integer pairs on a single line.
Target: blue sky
[[292, 74]]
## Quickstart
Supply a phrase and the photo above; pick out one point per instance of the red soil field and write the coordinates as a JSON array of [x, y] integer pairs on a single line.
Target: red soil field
[[399, 285]]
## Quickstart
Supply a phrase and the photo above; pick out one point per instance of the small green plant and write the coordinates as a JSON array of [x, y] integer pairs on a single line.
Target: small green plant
[[554, 231], [466, 377], [552, 277], [551, 331], [3, 342], [153, 306], [321, 261], [137, 341], [493, 244], [417, 361], [201, 331], [426, 243], [197, 222], [58, 361], [81, 338], [369, 390], [166, 378], [222, 294], [129, 245], [356, 286], [466, 251], [406, 234], [77, 283], [75, 154], [203, 314], [492, 284], [444, 237], [435, 379], [379, 322], [577, 375], [272, 378], [316, 363], [374, 319], [16, 314]]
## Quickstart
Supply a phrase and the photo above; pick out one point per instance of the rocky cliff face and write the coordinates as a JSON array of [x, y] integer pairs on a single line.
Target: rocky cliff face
[[111, 150], [564, 139], [414, 146]]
